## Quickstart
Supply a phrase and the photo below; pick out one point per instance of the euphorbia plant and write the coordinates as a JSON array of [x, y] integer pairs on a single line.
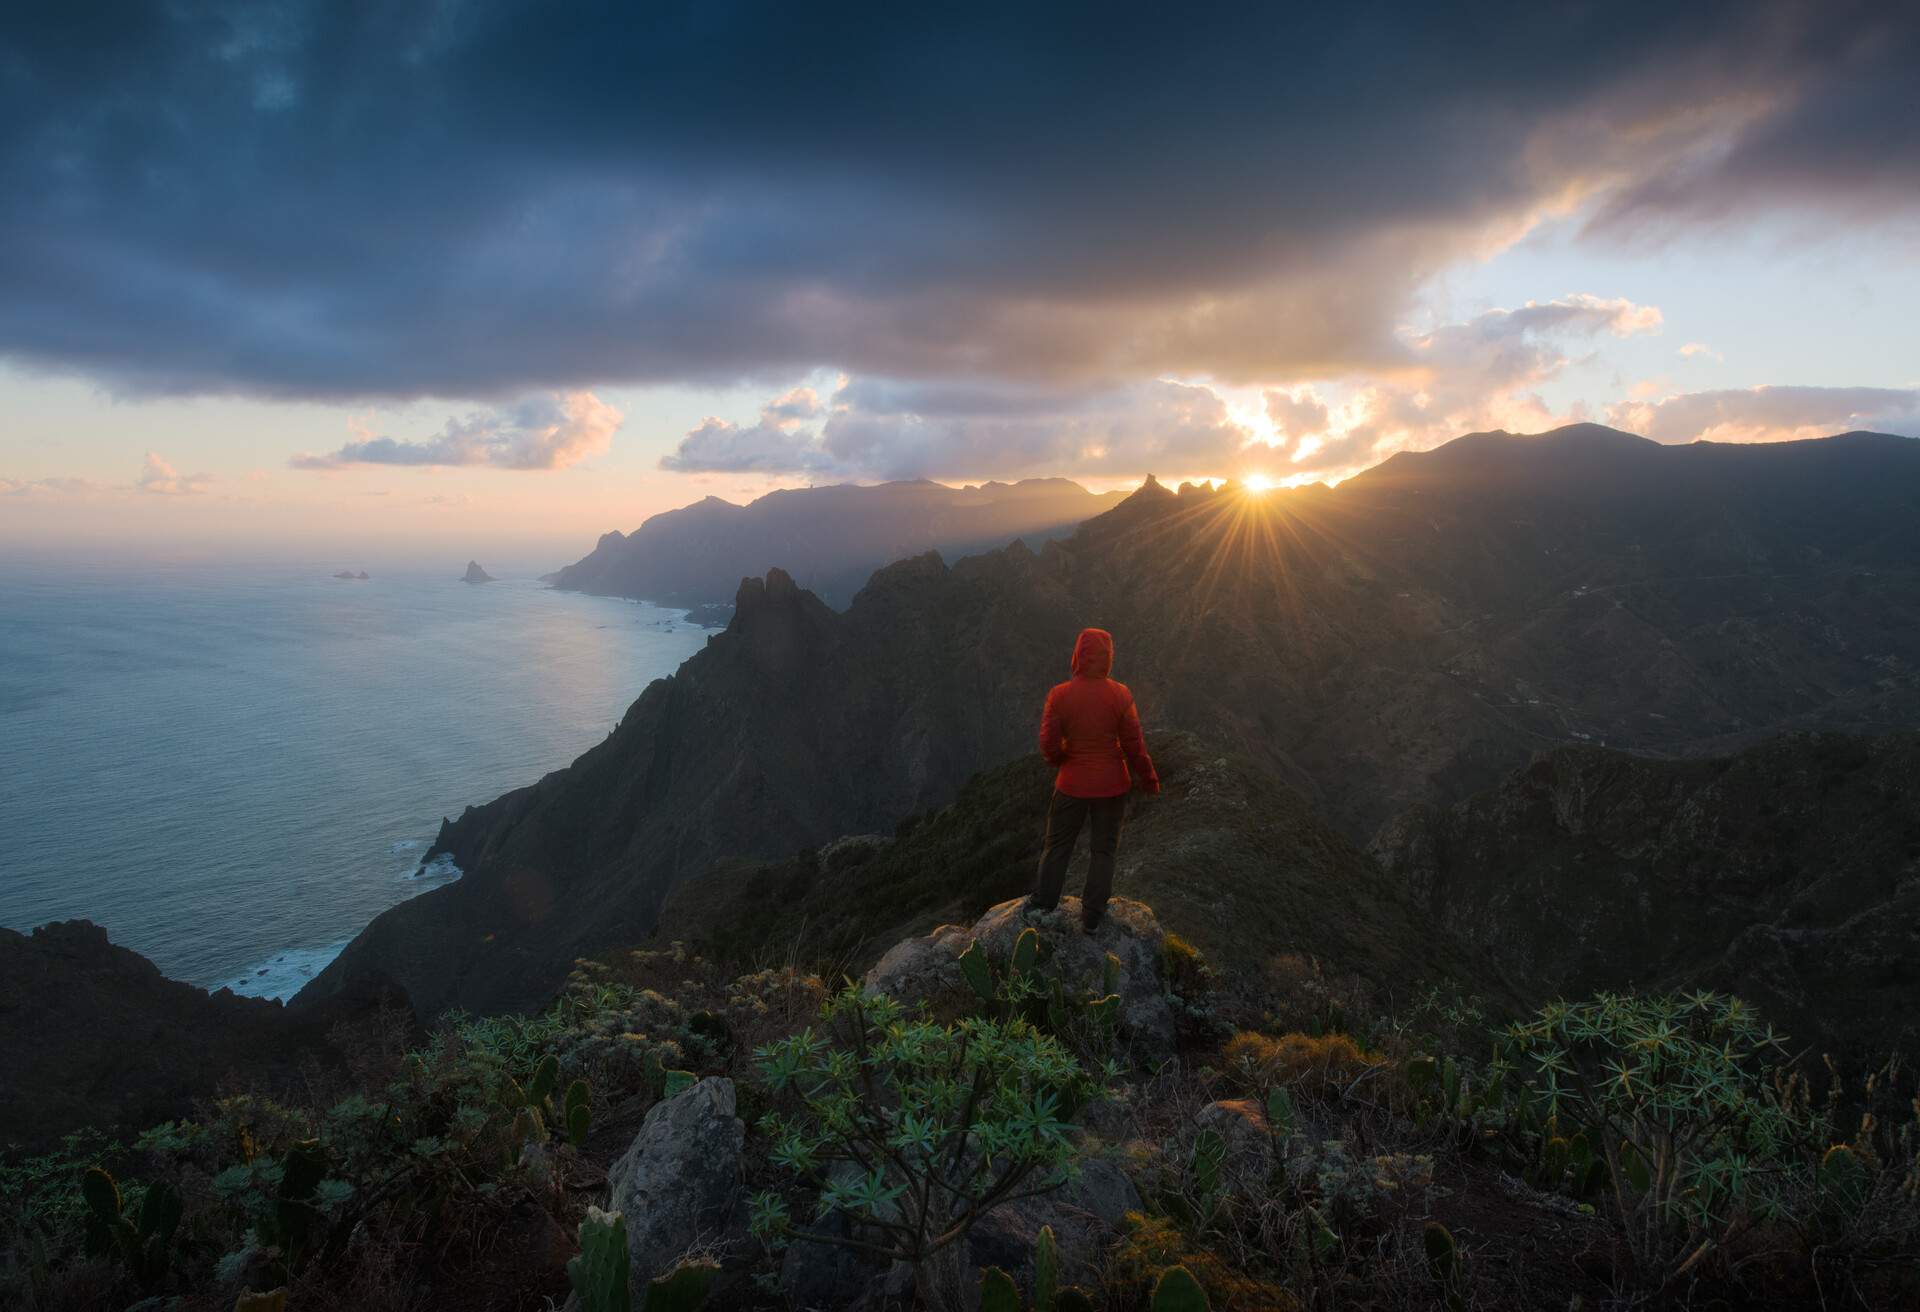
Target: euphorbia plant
[[917, 1130]]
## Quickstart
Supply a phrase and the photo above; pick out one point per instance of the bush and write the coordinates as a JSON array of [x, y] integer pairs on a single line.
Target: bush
[[917, 1130], [1322, 1067], [1674, 1093]]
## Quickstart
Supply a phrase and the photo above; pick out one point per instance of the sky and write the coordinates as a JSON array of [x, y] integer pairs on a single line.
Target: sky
[[478, 276]]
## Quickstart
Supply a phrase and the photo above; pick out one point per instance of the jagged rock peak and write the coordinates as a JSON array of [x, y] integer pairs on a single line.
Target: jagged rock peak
[[778, 585], [922, 969]]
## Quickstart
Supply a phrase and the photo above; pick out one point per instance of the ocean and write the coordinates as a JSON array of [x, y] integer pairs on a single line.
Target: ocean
[[234, 768]]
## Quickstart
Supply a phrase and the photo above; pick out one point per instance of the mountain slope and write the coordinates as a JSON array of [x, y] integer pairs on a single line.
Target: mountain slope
[[829, 538], [1409, 637], [1789, 874], [95, 1035], [1235, 859]]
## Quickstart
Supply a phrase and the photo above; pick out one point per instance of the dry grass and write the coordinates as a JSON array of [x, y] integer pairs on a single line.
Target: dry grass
[[1316, 1067]]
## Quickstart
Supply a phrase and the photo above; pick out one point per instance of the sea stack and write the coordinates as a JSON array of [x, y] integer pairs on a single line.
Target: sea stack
[[475, 574]]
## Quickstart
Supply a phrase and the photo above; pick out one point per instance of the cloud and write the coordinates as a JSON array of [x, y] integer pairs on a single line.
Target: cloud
[[162, 479], [1692, 349], [777, 444], [539, 432], [397, 201], [1770, 414], [890, 429], [1295, 415], [1476, 374], [1840, 135], [1458, 376], [34, 487]]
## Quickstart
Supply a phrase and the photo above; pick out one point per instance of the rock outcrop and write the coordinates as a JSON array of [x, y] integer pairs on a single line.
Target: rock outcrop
[[1241, 1124], [679, 1184], [475, 574], [1087, 1214], [922, 970]]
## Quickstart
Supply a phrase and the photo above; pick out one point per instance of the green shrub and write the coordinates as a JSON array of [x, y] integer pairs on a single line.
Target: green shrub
[[1674, 1094], [918, 1129]]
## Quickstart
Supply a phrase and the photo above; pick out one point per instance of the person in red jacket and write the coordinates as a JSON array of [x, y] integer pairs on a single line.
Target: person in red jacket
[[1091, 731]]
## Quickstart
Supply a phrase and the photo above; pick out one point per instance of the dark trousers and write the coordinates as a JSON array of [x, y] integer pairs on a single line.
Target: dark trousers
[[1065, 816]]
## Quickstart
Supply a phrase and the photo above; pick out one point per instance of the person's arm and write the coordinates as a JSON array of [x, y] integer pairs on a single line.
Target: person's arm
[[1053, 736], [1134, 744]]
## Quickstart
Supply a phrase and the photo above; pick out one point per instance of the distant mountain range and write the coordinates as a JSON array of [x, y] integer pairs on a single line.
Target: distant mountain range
[[828, 538], [1406, 639]]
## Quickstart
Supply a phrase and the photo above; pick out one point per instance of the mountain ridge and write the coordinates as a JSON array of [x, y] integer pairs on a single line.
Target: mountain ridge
[[1386, 643], [830, 538]]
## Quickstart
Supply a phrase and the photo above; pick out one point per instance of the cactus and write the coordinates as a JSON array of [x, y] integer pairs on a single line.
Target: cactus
[[674, 1083], [545, 1076], [1634, 1166], [1843, 1179], [1443, 1264], [1550, 1172], [978, 974], [1046, 1270], [997, 1291], [1177, 1291], [1110, 976], [529, 1126], [1451, 1087], [1589, 1171], [683, 1289], [1026, 952], [1280, 1117], [600, 1274], [274, 1300], [143, 1243], [578, 1112], [1324, 1240], [1209, 1153]]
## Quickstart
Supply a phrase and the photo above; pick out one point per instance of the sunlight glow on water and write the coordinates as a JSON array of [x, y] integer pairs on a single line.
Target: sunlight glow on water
[[234, 769]]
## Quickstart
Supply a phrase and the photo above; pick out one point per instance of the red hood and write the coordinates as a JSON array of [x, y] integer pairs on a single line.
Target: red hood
[[1093, 653]]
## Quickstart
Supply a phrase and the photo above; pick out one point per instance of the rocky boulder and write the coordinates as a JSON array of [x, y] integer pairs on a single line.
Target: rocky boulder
[[679, 1184], [1086, 1213], [923, 969], [1242, 1127]]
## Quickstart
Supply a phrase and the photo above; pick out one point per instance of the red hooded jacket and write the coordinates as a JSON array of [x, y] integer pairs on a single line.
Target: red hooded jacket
[[1090, 728]]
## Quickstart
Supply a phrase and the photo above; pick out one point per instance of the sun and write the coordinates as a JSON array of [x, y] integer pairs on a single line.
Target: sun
[[1257, 483]]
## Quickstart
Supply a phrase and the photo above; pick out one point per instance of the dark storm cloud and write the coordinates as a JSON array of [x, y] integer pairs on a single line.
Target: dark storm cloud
[[336, 199]]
